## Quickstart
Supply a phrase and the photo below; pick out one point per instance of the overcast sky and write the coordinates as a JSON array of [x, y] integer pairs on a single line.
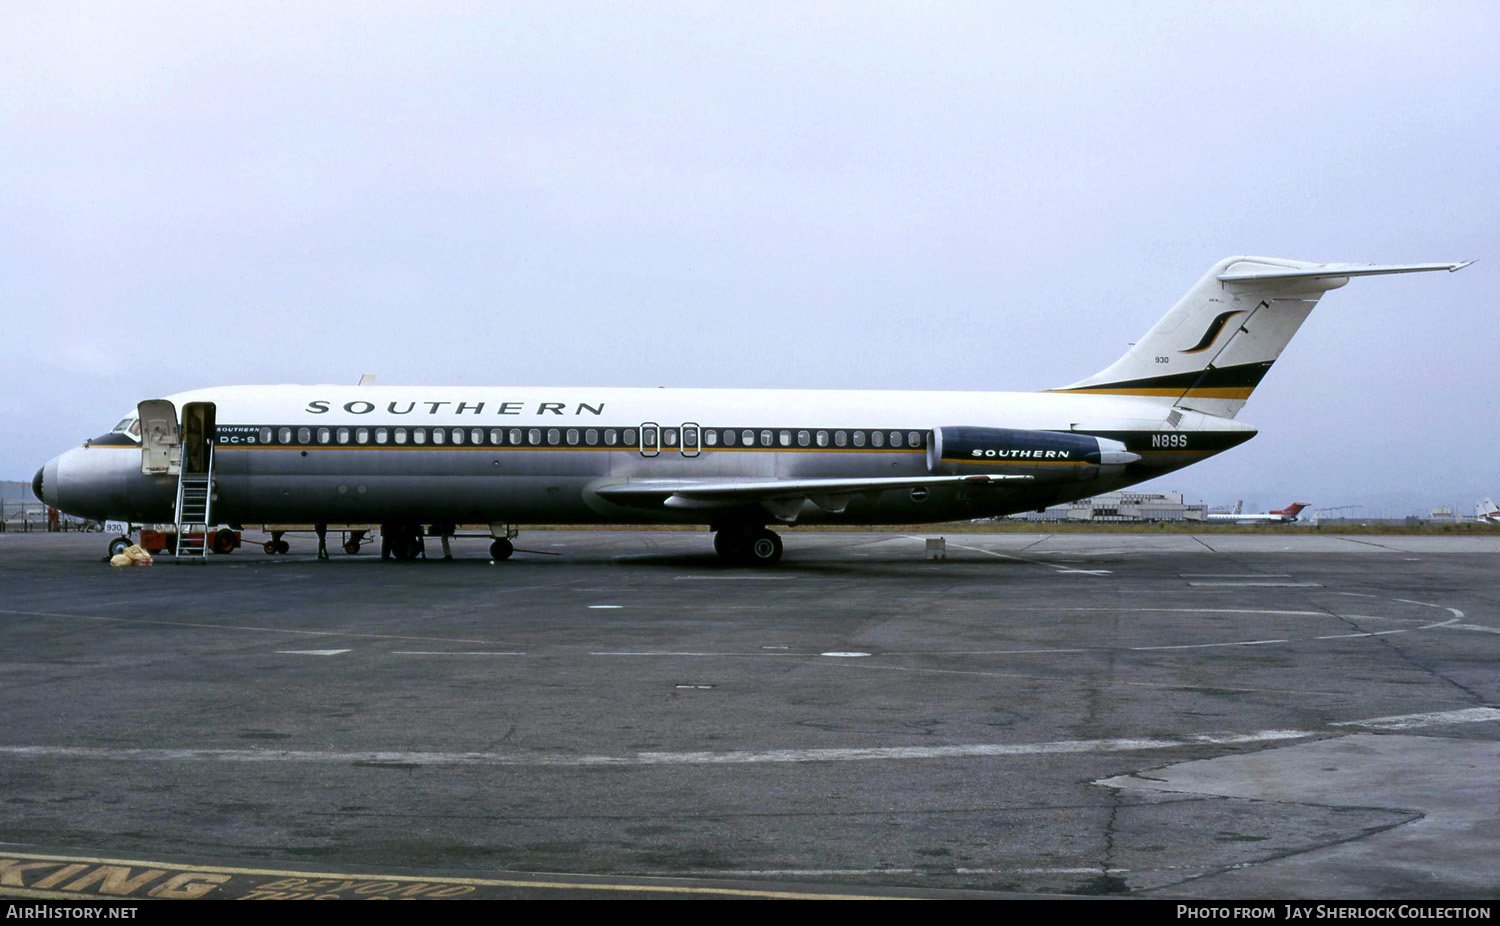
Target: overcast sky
[[867, 195]]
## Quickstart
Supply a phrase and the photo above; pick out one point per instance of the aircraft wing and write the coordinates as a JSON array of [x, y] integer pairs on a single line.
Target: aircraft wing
[[781, 498]]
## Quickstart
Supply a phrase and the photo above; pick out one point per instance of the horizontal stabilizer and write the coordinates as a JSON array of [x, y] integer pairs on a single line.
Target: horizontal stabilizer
[[1328, 271]]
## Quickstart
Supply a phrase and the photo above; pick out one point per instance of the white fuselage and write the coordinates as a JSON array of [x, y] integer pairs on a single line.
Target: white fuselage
[[465, 454]]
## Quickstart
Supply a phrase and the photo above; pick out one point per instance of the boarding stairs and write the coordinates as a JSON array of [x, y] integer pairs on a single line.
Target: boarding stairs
[[194, 500]]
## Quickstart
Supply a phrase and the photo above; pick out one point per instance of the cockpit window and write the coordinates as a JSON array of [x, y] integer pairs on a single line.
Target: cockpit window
[[130, 426]]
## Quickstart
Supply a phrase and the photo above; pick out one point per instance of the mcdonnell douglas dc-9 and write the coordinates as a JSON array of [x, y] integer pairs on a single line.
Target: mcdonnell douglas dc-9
[[1283, 516], [422, 460]]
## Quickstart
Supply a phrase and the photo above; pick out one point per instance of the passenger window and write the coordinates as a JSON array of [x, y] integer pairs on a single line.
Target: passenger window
[[913, 439], [534, 436], [476, 436], [439, 435], [877, 439], [803, 438], [497, 436], [458, 435], [265, 435], [729, 438], [400, 435], [380, 435], [628, 437], [822, 438], [419, 435], [591, 436], [748, 438], [361, 435], [572, 437], [765, 439], [840, 438], [552, 437], [343, 435], [304, 435], [895, 438], [710, 437], [610, 437], [324, 435], [859, 438], [515, 436], [786, 438], [669, 437]]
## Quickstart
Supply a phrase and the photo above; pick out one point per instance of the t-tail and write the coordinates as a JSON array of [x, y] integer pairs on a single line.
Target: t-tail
[[1486, 510], [1290, 511], [1211, 351]]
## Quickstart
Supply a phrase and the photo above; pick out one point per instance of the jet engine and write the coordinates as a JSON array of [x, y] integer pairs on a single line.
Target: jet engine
[[1053, 456]]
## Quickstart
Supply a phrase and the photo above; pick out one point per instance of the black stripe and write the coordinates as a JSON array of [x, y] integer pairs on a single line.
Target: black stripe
[[1158, 441], [1241, 375], [1212, 332]]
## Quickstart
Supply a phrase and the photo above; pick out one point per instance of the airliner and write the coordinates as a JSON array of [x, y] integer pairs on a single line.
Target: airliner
[[1487, 511], [1285, 515], [421, 460]]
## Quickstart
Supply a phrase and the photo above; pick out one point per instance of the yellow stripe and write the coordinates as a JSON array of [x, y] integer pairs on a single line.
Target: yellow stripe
[[1220, 392], [474, 882]]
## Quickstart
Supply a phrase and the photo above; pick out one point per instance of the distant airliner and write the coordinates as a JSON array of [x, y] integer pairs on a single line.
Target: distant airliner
[[1486, 510], [1289, 513], [421, 460]]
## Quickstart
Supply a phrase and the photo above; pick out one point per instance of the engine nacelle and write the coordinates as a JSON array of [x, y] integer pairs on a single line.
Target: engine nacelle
[[1054, 456]]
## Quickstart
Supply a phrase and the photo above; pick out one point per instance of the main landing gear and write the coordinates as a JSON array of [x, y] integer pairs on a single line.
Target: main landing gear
[[748, 546], [501, 535], [402, 542]]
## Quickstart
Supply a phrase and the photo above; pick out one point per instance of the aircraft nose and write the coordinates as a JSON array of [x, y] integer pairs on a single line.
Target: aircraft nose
[[44, 485]]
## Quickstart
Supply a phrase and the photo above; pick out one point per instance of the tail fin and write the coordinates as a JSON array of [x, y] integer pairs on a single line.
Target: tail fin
[[1487, 509], [1291, 511], [1211, 351]]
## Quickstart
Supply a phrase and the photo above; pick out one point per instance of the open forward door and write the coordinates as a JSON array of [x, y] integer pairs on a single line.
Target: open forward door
[[161, 439]]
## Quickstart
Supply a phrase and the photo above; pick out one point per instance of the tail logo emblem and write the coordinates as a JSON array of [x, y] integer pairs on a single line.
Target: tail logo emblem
[[1213, 332]]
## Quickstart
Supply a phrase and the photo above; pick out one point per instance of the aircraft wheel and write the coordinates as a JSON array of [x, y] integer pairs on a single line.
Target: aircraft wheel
[[119, 545], [500, 548], [269, 546], [282, 547], [731, 546], [351, 547], [410, 546], [765, 548], [223, 543]]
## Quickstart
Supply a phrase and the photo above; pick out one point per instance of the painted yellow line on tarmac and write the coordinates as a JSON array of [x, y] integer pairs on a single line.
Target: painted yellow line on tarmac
[[57, 877]]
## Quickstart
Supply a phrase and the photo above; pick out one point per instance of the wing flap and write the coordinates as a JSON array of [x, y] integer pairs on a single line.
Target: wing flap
[[781, 498]]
